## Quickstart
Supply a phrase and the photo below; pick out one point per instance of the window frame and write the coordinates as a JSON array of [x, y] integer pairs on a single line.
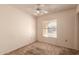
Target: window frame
[[45, 27]]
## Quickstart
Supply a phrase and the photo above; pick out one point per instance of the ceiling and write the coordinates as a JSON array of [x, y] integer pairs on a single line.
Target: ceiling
[[28, 8]]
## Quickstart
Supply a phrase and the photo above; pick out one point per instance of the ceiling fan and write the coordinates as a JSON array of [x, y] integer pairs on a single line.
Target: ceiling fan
[[40, 10]]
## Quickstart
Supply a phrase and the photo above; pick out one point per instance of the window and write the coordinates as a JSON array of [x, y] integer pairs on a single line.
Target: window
[[50, 28]]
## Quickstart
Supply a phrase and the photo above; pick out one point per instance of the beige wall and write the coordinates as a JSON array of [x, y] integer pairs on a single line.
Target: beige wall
[[16, 29], [78, 30], [66, 29], [77, 8], [77, 25]]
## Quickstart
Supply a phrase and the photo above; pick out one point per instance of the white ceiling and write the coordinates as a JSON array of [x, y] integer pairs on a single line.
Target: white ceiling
[[28, 8]]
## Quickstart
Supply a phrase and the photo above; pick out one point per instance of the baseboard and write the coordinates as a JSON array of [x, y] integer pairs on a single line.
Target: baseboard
[[19, 48], [56, 45]]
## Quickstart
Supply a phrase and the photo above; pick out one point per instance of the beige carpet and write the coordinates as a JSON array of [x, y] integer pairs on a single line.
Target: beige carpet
[[40, 48]]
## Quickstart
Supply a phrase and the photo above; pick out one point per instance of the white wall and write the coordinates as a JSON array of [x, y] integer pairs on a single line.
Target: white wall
[[16, 29], [66, 29]]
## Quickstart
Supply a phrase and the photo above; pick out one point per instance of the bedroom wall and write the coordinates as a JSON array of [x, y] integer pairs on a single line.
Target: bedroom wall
[[17, 29], [65, 29], [78, 31], [77, 13], [77, 8]]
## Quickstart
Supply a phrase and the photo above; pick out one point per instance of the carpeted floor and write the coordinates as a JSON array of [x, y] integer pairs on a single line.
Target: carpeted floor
[[40, 48]]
